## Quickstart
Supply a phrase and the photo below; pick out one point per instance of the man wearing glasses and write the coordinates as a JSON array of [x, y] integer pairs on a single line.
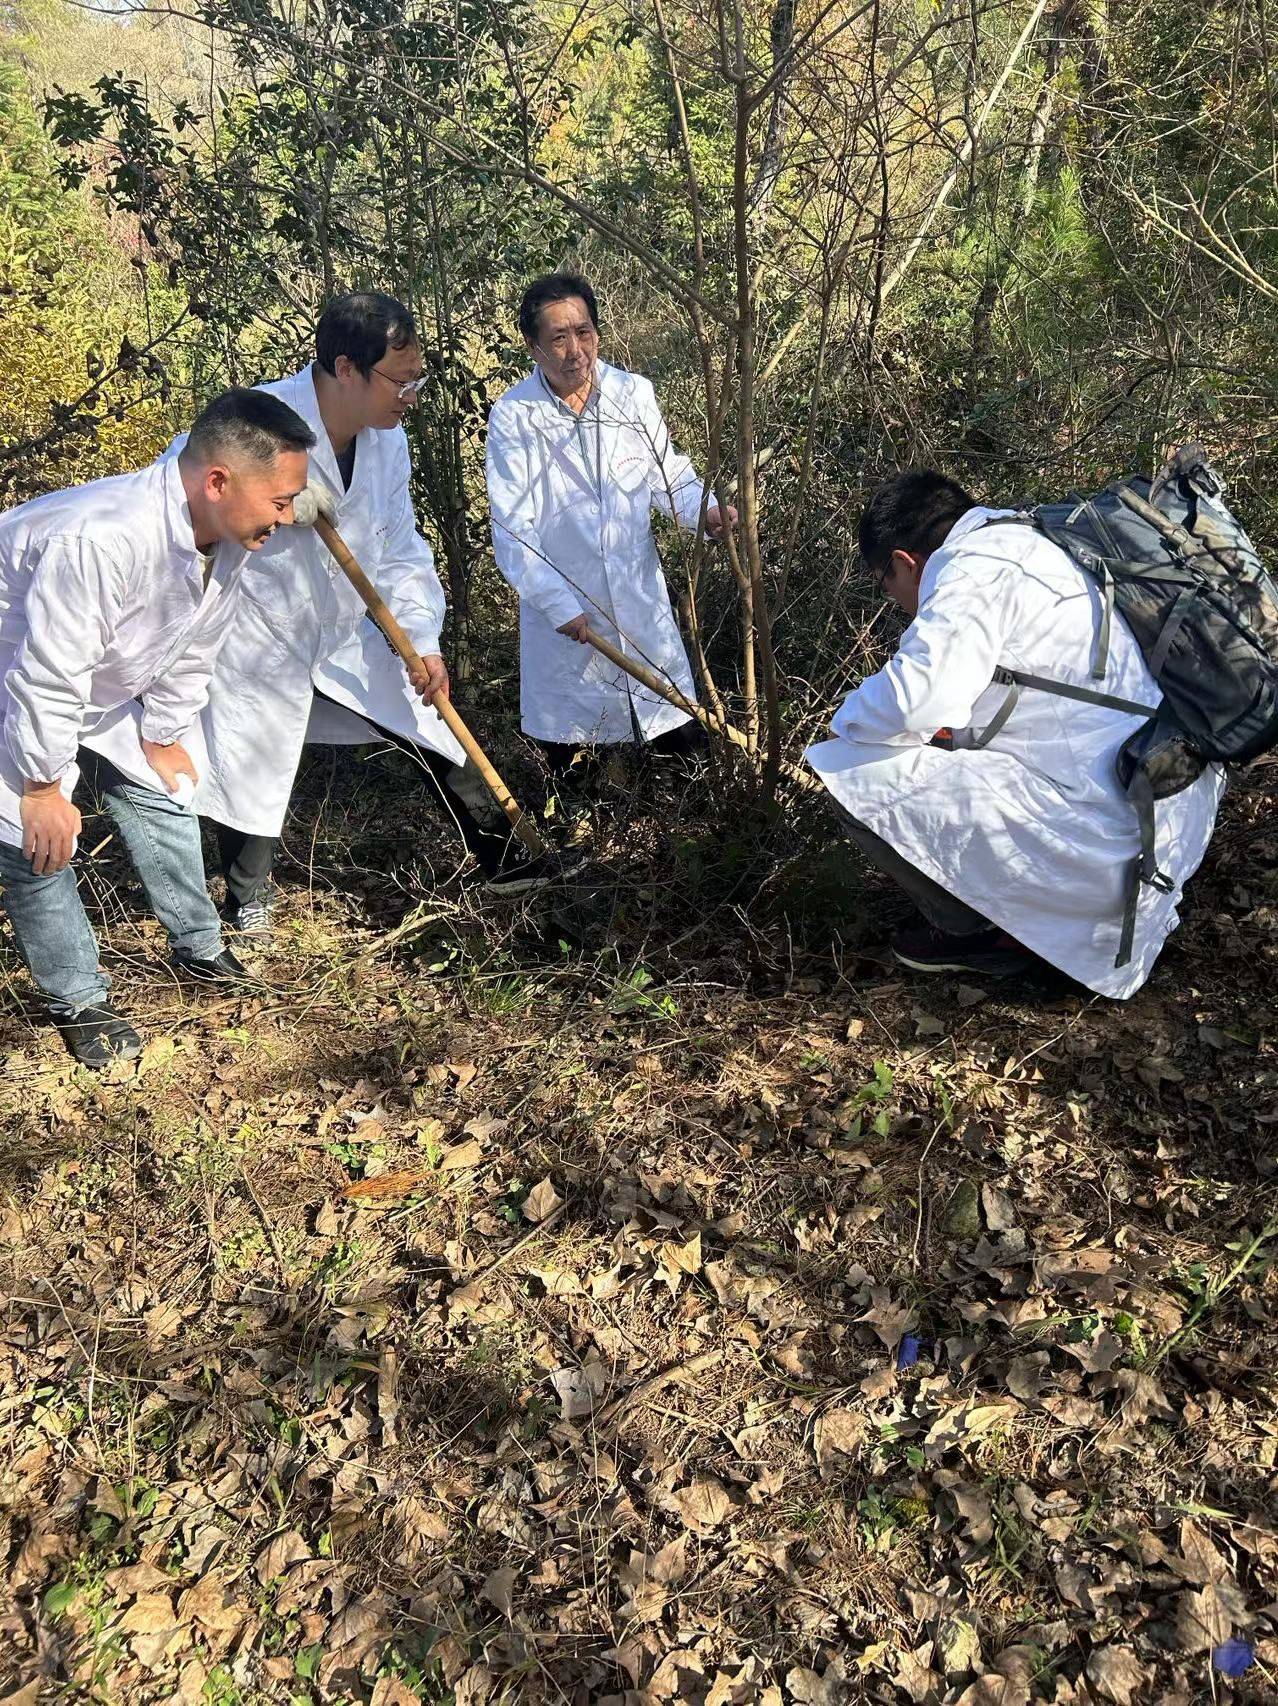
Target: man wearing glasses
[[578, 457], [302, 661]]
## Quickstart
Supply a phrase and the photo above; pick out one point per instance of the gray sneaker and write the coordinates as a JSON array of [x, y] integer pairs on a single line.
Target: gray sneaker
[[251, 918]]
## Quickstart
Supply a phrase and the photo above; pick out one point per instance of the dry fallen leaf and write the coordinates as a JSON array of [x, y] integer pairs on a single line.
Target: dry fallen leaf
[[460, 1156], [648, 1575], [149, 1613], [28, 1695], [211, 1604], [579, 1389], [1207, 1617], [276, 1557], [158, 1052], [836, 1433], [702, 1506], [809, 1689], [1118, 1675], [541, 1201], [965, 1421], [1097, 1355], [499, 1589], [958, 1646], [888, 1319], [392, 1691], [676, 1260]]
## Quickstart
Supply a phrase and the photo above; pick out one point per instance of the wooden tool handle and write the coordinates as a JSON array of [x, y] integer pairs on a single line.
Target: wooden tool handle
[[381, 614], [668, 691]]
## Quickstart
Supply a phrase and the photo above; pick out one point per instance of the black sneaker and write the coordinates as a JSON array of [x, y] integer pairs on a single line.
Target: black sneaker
[[96, 1036], [222, 968], [989, 953], [526, 873]]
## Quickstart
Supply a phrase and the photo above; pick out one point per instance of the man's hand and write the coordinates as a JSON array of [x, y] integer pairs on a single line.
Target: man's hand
[[715, 522], [50, 824], [169, 762], [578, 629], [431, 680]]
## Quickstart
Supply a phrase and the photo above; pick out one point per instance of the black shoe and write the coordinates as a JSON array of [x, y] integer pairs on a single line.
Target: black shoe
[[96, 1036], [222, 968], [988, 953], [523, 874]]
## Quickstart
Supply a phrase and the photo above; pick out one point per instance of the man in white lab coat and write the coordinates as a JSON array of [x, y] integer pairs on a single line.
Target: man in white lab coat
[[578, 457], [114, 598], [1024, 846], [302, 661]]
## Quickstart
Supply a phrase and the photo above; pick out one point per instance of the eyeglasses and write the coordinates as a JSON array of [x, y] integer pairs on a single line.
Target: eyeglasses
[[403, 388], [879, 578]]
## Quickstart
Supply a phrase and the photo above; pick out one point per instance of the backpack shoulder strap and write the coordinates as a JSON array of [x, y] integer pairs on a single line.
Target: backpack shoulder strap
[[1145, 865], [972, 740], [1087, 695]]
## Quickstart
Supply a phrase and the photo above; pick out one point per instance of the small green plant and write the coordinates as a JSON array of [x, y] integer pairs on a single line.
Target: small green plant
[[870, 1095], [630, 995], [408, 1657], [1204, 1293], [356, 1156], [510, 1208], [220, 1688], [878, 1520], [306, 1664], [84, 1593], [333, 1267]]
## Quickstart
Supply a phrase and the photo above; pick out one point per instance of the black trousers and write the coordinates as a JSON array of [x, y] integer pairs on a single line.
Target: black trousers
[[575, 766], [943, 910], [247, 860]]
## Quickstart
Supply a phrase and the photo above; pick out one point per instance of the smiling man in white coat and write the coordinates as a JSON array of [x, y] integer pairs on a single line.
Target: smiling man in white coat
[[114, 598], [1023, 846], [578, 457], [303, 662]]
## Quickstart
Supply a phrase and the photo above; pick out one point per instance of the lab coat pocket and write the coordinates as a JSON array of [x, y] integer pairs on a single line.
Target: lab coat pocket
[[631, 468]]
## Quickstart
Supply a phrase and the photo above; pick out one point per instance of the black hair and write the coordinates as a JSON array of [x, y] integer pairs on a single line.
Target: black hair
[[252, 426], [913, 512], [554, 287], [362, 326]]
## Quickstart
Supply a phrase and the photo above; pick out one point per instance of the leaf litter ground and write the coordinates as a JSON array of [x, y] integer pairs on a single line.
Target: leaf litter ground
[[681, 1309]]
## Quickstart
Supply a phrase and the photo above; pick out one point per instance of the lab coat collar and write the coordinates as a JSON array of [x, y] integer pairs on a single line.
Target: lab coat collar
[[177, 517], [967, 524], [304, 400], [607, 385], [973, 518], [558, 424]]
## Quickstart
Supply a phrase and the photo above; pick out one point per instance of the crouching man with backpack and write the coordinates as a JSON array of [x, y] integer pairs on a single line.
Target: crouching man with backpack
[[988, 767]]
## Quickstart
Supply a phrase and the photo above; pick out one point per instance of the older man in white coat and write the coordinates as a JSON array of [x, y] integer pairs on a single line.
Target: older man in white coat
[[1024, 846], [114, 598], [578, 457], [302, 662]]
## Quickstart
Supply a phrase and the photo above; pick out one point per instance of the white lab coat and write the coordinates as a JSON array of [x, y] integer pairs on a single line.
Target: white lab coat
[[103, 605], [1034, 831], [569, 548], [301, 625]]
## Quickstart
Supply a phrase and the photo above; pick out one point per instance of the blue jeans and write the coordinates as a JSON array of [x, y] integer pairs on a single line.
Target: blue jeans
[[53, 933]]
